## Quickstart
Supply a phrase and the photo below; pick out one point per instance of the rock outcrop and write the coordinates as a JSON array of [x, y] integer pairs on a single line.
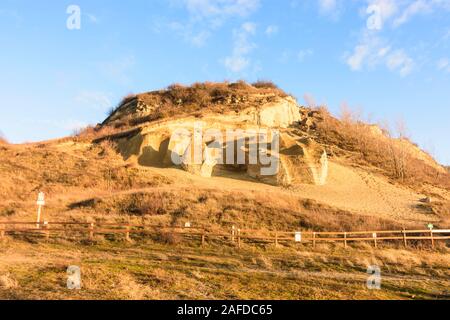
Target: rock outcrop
[[256, 142]]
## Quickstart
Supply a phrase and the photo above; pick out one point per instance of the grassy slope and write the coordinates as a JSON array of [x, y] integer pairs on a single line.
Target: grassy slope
[[71, 172], [154, 271]]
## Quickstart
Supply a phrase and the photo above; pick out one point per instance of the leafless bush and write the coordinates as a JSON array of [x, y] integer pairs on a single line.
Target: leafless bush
[[168, 237], [3, 139], [379, 147]]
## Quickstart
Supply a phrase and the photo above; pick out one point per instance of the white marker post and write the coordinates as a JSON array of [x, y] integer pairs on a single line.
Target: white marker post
[[298, 237], [40, 202]]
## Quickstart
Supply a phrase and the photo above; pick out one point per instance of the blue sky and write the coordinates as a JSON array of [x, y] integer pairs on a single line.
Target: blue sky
[[389, 58]]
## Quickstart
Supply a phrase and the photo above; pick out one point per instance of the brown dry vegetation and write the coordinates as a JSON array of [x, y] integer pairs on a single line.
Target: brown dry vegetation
[[221, 210], [149, 270], [200, 98], [3, 139], [87, 181], [393, 156]]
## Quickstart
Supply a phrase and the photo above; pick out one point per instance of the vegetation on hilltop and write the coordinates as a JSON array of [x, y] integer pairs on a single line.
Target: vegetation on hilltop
[[2, 138], [179, 100], [398, 158]]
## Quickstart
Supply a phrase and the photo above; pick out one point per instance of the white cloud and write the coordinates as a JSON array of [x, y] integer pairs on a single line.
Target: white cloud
[[327, 6], [92, 18], [220, 9], [239, 59], [401, 62], [372, 52], [272, 30], [303, 54], [331, 8], [94, 99], [204, 16], [356, 60], [417, 7], [399, 12], [443, 65], [197, 39]]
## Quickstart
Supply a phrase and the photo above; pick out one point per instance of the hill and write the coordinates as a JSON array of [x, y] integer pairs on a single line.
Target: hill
[[334, 175]]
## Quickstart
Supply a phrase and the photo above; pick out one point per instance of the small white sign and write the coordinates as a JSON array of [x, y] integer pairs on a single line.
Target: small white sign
[[187, 225], [298, 237], [41, 199]]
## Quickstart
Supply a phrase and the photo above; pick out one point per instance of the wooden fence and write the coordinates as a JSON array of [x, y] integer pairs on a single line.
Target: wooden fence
[[235, 236]]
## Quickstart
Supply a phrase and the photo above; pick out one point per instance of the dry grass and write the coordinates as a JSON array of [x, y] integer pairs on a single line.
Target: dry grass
[[154, 271], [396, 157], [85, 181], [3, 139], [63, 171], [179, 100], [221, 210]]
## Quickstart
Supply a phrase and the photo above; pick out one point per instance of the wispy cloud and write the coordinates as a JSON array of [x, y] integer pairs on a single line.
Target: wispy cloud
[[118, 69], [372, 51], [415, 8], [195, 38], [331, 8], [443, 65], [242, 46], [94, 99], [327, 6], [399, 61], [219, 10], [271, 30], [93, 18], [304, 54], [205, 16], [397, 13]]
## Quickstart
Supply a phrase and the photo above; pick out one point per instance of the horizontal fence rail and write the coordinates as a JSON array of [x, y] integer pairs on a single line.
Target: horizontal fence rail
[[235, 235]]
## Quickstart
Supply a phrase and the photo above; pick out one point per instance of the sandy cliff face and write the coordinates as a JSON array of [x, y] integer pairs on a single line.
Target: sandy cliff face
[[217, 144]]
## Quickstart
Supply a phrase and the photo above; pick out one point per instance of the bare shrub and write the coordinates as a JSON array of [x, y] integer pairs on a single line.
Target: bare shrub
[[3, 139], [8, 282], [178, 100], [168, 237], [378, 147], [264, 84]]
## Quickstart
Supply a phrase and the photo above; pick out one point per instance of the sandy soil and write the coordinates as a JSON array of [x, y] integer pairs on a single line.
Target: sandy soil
[[351, 189]]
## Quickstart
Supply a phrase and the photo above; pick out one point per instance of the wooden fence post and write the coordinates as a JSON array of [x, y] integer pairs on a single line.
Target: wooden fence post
[[233, 232], [203, 239], [91, 231], [276, 239], [345, 239], [127, 234], [432, 239], [374, 236], [404, 239], [239, 238], [47, 230], [314, 239]]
